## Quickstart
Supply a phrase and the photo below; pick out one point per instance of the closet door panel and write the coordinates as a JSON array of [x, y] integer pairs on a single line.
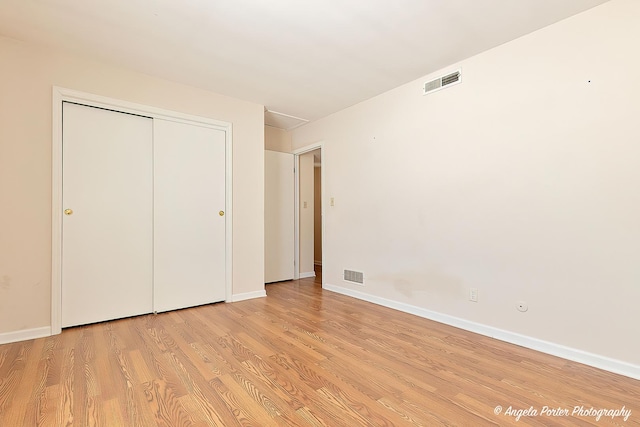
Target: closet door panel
[[189, 221], [279, 216], [107, 226]]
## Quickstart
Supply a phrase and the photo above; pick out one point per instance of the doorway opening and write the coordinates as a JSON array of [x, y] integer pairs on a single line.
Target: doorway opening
[[309, 224]]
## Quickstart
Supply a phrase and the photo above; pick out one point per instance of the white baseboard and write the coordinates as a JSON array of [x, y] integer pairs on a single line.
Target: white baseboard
[[25, 334], [248, 295], [580, 356], [307, 275]]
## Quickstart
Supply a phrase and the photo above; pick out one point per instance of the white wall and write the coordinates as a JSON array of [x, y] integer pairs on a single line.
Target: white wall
[[306, 210], [522, 181], [276, 139], [27, 75]]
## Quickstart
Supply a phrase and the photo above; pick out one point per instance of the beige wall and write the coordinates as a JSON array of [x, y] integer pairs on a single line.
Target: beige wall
[[317, 215], [306, 210], [522, 181], [27, 75], [277, 139]]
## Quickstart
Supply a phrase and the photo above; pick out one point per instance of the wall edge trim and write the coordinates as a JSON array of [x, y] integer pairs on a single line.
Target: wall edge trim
[[591, 359], [248, 295], [25, 334]]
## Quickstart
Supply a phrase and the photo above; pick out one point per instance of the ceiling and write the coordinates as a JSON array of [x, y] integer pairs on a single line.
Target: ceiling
[[301, 59]]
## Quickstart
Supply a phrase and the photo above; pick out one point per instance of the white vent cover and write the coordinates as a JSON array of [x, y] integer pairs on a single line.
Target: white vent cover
[[354, 276], [442, 82]]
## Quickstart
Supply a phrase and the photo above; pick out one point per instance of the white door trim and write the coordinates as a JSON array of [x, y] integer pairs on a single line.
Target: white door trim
[[61, 95], [297, 153]]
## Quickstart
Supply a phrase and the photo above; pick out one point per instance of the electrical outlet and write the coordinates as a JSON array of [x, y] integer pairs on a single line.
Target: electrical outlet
[[473, 294], [333, 202]]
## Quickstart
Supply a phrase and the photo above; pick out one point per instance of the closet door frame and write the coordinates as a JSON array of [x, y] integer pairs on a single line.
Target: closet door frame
[[61, 95]]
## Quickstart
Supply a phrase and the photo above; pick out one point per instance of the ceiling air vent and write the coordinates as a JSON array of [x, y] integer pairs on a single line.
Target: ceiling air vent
[[441, 82]]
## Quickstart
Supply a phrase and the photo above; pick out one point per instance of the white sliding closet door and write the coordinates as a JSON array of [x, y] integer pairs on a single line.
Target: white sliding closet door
[[189, 205], [107, 188]]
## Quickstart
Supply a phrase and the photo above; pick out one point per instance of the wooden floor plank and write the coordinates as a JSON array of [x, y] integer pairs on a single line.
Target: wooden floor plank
[[303, 356]]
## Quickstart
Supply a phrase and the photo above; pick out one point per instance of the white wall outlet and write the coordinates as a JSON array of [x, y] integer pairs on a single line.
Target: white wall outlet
[[473, 294], [304, 205], [522, 306], [333, 203]]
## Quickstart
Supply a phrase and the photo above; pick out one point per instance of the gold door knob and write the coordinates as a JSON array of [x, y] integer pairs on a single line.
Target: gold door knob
[[68, 211], [221, 213]]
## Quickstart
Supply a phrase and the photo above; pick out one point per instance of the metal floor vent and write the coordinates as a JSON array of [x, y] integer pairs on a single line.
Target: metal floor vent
[[442, 82], [354, 276]]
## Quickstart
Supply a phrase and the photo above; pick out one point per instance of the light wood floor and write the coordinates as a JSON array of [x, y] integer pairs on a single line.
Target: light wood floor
[[301, 356]]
